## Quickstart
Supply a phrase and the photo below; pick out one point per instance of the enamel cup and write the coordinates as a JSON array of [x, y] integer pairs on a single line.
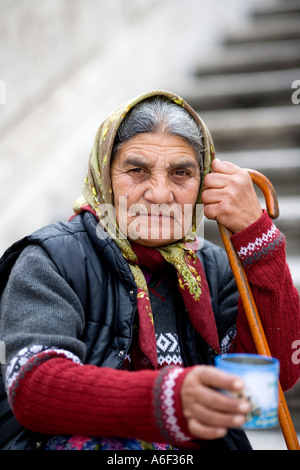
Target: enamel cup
[[260, 375]]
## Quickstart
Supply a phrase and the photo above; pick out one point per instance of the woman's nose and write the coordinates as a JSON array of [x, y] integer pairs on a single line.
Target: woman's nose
[[159, 192]]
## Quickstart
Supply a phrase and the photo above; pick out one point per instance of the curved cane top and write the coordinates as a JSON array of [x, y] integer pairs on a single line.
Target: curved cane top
[[268, 191]]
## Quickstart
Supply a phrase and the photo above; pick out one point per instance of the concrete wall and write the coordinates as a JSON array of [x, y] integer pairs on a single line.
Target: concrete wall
[[65, 65]]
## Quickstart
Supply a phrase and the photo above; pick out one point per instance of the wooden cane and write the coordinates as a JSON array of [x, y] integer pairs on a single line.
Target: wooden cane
[[248, 301]]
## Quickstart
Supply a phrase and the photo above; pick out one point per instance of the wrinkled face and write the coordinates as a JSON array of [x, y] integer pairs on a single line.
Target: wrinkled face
[[155, 181]]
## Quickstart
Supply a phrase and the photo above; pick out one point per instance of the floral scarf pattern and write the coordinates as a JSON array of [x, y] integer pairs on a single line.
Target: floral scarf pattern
[[97, 196]]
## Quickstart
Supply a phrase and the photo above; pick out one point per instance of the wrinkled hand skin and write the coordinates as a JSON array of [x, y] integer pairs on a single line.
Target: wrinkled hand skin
[[209, 413], [229, 196]]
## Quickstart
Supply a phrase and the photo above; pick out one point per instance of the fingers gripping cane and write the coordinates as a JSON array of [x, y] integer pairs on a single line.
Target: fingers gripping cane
[[248, 301]]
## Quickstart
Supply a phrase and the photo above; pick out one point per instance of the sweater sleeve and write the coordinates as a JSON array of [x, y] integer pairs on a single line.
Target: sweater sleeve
[[58, 396], [50, 388], [261, 248]]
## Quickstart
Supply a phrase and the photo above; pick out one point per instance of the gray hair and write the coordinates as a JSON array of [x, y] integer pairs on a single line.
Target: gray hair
[[160, 114]]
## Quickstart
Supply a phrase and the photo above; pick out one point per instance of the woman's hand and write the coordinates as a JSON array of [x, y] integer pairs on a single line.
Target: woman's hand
[[229, 196], [209, 413]]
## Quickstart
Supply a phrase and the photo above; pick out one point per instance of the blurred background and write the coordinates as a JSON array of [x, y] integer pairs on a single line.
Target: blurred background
[[65, 65]]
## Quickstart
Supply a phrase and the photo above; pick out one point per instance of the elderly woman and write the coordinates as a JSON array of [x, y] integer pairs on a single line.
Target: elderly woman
[[113, 319]]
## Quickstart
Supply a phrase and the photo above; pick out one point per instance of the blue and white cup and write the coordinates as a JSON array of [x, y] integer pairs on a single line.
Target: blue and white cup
[[260, 375]]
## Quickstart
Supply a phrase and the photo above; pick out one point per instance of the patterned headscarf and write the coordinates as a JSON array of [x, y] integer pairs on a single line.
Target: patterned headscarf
[[97, 192]]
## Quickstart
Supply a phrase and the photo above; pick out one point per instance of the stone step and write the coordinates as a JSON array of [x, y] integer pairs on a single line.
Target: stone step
[[266, 29], [288, 222], [257, 128], [293, 401], [272, 160], [294, 265], [211, 232], [281, 166], [259, 57], [242, 90], [279, 9]]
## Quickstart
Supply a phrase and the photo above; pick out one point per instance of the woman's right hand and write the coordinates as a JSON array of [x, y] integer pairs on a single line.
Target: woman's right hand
[[209, 413]]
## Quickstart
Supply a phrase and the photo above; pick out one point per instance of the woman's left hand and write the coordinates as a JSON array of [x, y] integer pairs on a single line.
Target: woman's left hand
[[229, 196]]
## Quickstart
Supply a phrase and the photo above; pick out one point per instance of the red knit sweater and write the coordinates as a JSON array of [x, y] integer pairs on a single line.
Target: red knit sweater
[[54, 395]]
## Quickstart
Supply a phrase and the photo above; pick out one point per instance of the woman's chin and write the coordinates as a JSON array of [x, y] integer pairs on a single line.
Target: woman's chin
[[153, 242]]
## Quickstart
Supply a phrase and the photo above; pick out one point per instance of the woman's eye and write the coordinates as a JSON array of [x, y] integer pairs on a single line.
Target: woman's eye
[[181, 173], [138, 172]]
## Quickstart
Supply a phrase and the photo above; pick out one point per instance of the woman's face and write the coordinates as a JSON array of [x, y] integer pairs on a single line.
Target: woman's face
[[155, 182]]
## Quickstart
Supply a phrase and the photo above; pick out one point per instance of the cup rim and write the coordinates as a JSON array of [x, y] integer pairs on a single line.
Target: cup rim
[[246, 360]]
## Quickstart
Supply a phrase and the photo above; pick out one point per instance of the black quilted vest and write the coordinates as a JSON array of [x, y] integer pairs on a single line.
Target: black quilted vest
[[95, 268]]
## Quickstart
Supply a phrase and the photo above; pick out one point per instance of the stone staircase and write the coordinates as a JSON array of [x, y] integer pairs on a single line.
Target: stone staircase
[[244, 95]]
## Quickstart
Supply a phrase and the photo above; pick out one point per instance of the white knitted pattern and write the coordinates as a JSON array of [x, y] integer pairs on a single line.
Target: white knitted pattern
[[259, 243], [17, 364], [168, 349], [168, 406]]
